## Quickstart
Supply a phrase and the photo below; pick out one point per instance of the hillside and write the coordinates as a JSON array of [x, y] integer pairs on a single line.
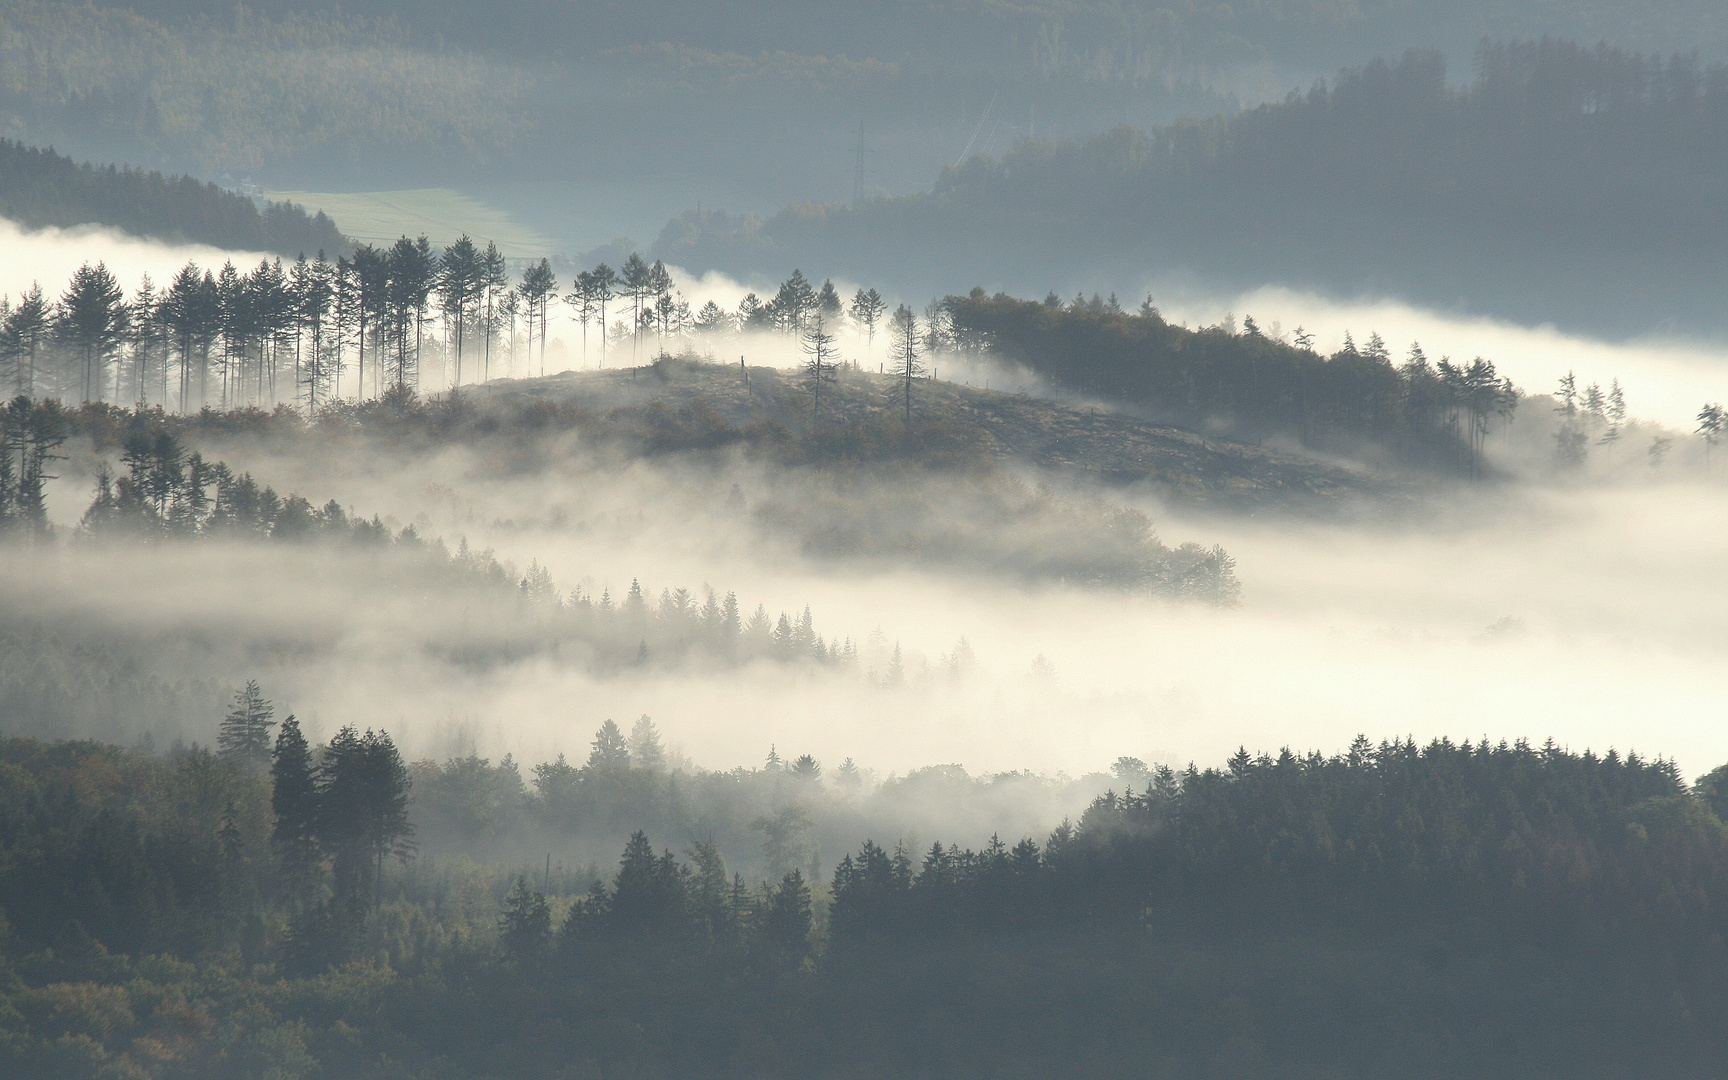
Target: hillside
[[39, 187], [1567, 183], [404, 94], [1400, 910], [954, 421]]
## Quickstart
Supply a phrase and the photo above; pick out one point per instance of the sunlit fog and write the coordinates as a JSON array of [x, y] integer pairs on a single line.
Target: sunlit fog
[[931, 541]]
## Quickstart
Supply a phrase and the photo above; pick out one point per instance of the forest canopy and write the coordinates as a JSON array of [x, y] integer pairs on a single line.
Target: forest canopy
[[1498, 909]]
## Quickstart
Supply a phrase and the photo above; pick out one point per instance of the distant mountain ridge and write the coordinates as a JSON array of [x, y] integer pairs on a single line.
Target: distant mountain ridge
[[1581, 185]]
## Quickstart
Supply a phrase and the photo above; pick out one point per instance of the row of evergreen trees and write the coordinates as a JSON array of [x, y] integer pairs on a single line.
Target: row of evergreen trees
[[30, 434], [1396, 893], [1426, 830], [275, 334], [397, 318], [1433, 412], [166, 493]]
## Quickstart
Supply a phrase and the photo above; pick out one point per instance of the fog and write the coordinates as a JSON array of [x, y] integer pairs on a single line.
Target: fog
[[1513, 612], [1524, 609], [50, 256], [404, 672]]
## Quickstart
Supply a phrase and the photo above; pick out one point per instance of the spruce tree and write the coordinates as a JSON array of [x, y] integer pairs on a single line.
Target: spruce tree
[[245, 732], [611, 751], [786, 920], [645, 749], [363, 810], [828, 305], [525, 925], [867, 308], [294, 801]]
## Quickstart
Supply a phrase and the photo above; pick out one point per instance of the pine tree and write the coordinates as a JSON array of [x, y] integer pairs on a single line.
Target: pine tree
[[1616, 412], [294, 801], [24, 329], [459, 280], [367, 278], [635, 285], [494, 279], [1712, 422], [245, 732], [538, 286], [363, 810], [611, 750], [525, 925], [905, 349], [819, 369], [867, 308], [92, 319], [412, 276], [645, 749], [792, 305], [593, 289], [659, 290]]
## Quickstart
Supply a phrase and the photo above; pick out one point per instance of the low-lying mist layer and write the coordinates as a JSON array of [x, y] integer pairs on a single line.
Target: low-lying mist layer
[[49, 257], [1576, 612]]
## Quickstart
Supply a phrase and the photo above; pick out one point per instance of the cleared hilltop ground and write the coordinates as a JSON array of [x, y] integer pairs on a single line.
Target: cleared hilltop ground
[[688, 403]]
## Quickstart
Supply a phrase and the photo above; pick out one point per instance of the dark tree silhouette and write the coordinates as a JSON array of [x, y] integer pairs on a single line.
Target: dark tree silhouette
[[245, 732], [363, 810], [819, 370], [92, 319], [905, 349]]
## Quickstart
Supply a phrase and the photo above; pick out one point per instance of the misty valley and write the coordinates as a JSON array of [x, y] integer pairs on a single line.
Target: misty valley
[[1087, 542]]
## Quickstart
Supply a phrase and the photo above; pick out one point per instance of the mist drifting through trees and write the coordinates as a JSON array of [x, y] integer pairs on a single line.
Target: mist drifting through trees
[[932, 542]]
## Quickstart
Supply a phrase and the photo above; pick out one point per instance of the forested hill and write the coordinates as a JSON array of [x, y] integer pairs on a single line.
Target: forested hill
[[686, 403], [39, 187], [1589, 185], [1482, 910]]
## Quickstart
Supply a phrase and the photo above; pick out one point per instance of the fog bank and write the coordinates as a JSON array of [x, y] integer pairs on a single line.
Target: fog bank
[[50, 256], [1581, 615]]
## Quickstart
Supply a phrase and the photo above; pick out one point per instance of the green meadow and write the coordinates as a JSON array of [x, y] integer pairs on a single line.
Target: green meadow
[[441, 214]]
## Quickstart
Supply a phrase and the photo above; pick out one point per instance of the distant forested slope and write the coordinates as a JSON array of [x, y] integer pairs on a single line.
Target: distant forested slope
[[415, 93], [1563, 181], [229, 90], [40, 187], [1046, 40]]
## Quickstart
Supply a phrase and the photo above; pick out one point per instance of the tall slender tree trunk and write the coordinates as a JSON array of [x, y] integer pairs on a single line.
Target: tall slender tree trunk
[[360, 364]]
